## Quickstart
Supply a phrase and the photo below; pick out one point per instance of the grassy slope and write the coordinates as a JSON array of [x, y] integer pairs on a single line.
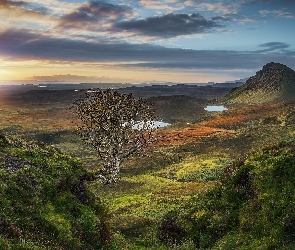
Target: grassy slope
[[168, 178], [252, 207], [42, 201]]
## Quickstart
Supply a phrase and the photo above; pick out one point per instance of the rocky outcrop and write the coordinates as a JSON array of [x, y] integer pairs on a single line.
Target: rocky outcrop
[[274, 82]]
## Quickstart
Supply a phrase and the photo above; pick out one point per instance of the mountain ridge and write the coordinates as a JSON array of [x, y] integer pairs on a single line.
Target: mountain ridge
[[274, 82]]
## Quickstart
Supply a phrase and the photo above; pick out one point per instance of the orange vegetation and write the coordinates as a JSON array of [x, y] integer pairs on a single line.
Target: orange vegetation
[[187, 135], [240, 115], [226, 121]]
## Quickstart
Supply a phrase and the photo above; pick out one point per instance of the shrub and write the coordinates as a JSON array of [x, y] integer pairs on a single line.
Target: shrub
[[170, 231], [288, 223]]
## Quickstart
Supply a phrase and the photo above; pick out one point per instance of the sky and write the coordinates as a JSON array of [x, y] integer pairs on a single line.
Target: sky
[[188, 41]]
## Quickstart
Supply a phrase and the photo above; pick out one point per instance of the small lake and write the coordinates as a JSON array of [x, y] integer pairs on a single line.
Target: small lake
[[161, 124], [215, 108], [155, 124]]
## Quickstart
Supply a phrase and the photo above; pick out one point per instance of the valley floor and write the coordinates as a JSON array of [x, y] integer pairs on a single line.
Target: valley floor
[[186, 162]]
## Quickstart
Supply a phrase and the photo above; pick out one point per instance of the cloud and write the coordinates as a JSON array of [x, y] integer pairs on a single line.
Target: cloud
[[283, 13], [222, 10], [10, 10], [9, 3], [220, 6], [28, 45], [23, 45], [93, 12], [167, 26], [22, 6], [55, 8], [291, 2], [206, 59], [273, 46], [167, 5], [231, 8], [222, 18]]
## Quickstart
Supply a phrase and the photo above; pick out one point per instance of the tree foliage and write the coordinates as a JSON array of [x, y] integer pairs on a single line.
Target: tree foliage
[[116, 125]]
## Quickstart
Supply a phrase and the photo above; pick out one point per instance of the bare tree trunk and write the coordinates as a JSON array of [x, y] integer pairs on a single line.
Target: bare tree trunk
[[110, 171]]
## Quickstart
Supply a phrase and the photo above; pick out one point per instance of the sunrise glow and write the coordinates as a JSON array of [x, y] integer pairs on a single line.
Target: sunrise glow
[[174, 41]]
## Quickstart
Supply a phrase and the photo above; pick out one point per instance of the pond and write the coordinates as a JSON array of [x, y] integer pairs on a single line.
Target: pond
[[161, 124], [155, 124], [215, 108]]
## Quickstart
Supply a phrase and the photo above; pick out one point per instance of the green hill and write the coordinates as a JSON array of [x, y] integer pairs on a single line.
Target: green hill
[[44, 203], [253, 207], [274, 83]]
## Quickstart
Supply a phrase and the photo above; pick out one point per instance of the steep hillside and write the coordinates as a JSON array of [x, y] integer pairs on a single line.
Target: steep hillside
[[44, 203], [275, 82]]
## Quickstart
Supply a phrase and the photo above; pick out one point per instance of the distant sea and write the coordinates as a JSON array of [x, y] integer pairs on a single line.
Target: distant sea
[[33, 85], [59, 85]]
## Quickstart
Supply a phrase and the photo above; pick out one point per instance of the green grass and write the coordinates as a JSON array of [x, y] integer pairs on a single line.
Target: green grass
[[199, 168], [175, 180], [141, 198], [253, 207], [179, 183], [41, 201]]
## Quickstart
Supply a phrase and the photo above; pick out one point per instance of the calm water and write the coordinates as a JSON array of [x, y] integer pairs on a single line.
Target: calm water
[[155, 124], [161, 124], [215, 108]]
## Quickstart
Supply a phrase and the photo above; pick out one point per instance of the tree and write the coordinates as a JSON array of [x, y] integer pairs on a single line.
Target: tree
[[116, 125]]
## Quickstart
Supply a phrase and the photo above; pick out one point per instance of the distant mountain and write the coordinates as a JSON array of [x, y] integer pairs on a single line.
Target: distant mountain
[[275, 82]]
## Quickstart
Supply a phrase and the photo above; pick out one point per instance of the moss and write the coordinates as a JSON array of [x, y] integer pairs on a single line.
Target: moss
[[199, 168], [40, 205], [253, 207]]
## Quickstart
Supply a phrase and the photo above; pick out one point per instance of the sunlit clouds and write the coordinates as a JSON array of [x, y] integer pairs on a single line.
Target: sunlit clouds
[[143, 40]]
